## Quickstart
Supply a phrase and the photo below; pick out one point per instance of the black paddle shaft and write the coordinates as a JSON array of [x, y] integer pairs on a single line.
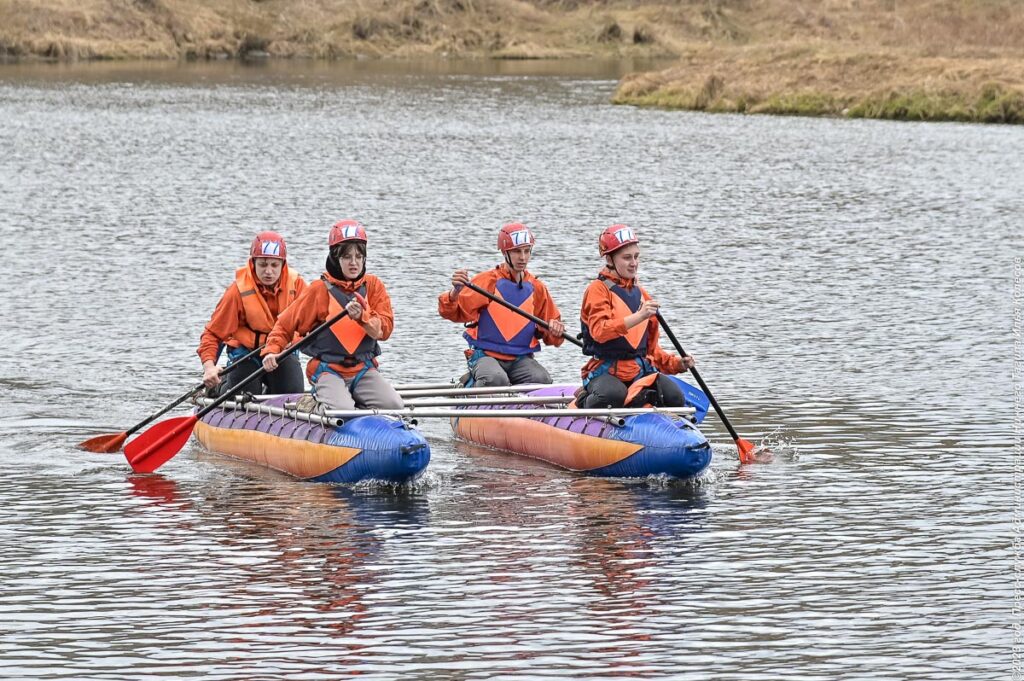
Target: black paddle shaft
[[303, 342], [533, 318], [172, 405], [703, 385], [223, 372]]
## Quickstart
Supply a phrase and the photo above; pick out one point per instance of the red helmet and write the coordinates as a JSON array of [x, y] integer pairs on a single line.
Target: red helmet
[[514, 235], [615, 237], [268, 245], [346, 230]]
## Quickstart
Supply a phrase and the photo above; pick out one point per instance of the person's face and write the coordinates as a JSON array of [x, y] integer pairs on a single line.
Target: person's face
[[520, 257], [351, 261], [626, 261], [268, 270]]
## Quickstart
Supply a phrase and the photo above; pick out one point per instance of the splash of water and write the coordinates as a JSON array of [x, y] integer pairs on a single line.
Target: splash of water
[[780, 444]]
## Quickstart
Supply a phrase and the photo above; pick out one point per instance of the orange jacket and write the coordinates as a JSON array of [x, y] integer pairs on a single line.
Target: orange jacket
[[467, 305], [247, 311], [604, 314], [313, 308]]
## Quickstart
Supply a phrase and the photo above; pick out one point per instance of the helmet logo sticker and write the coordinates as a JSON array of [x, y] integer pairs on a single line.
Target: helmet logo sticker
[[271, 248], [350, 231], [624, 234]]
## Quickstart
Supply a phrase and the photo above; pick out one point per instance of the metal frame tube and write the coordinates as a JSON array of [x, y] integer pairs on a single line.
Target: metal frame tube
[[487, 390], [449, 391], [504, 413], [327, 421], [474, 401]]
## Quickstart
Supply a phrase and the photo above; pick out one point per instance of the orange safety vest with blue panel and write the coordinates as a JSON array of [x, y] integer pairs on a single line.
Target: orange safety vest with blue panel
[[633, 345], [502, 330], [346, 343]]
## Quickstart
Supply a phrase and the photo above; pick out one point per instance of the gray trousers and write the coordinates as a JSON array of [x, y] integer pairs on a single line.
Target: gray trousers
[[372, 392], [523, 369]]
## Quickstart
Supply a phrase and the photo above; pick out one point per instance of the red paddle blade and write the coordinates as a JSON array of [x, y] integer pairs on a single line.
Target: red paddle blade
[[104, 444], [750, 454], [154, 447]]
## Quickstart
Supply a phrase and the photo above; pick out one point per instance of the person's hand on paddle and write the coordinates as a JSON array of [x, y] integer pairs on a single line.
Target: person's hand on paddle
[[356, 306], [687, 362], [211, 374], [648, 308], [459, 279], [556, 327], [270, 361]]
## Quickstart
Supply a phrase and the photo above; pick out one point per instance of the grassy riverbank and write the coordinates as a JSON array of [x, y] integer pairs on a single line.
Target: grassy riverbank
[[960, 60], [907, 59], [509, 29]]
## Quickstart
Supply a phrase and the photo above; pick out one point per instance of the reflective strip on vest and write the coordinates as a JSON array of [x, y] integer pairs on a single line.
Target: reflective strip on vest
[[347, 343], [502, 330], [634, 343]]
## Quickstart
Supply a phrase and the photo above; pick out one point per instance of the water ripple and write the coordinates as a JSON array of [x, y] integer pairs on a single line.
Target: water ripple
[[843, 284]]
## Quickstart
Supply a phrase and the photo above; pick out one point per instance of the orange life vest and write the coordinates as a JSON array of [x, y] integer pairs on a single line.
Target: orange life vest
[[258, 322]]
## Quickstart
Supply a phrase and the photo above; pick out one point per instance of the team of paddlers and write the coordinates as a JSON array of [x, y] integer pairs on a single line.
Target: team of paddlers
[[270, 305]]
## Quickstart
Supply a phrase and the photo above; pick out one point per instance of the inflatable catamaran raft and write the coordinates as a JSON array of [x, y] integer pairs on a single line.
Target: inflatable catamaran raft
[[314, 447], [532, 421]]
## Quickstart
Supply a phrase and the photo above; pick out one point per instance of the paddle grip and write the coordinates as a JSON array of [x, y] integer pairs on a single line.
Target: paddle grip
[[533, 318]]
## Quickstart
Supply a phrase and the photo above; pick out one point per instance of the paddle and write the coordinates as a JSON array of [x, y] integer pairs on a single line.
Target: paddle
[[109, 443], [157, 445], [745, 447], [504, 303]]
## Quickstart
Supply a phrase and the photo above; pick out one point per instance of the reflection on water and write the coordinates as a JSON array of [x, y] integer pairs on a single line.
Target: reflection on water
[[843, 284], [302, 73]]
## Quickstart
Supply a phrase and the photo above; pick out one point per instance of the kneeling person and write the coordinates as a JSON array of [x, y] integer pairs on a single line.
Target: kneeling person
[[501, 342], [343, 368], [620, 333], [245, 315]]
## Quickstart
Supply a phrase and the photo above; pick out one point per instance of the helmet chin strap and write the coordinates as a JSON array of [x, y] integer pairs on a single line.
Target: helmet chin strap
[[512, 269], [610, 263]]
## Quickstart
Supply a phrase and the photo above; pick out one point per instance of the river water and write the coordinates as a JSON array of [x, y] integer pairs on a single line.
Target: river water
[[846, 286]]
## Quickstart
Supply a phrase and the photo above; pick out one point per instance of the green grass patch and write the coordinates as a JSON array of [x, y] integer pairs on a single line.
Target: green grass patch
[[800, 104], [993, 104]]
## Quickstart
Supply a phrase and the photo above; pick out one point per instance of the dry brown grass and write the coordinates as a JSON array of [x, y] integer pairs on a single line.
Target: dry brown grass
[[931, 59], [83, 29], [518, 28], [907, 59]]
